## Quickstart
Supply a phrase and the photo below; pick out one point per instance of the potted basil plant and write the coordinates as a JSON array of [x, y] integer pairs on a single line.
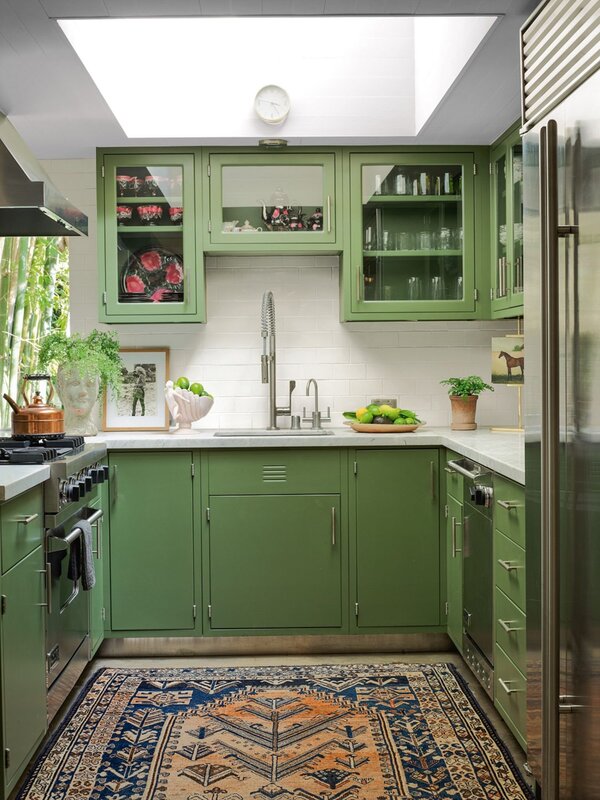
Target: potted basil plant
[[82, 367], [464, 393]]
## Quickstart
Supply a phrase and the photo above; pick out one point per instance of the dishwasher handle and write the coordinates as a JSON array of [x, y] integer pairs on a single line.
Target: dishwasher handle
[[456, 467]]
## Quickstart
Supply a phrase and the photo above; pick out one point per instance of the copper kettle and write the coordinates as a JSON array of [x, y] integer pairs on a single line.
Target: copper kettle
[[37, 418]]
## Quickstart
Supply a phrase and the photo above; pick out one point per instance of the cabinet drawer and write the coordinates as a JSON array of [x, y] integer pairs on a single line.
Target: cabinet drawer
[[510, 630], [510, 694], [509, 509], [509, 569], [454, 480], [22, 523], [275, 472]]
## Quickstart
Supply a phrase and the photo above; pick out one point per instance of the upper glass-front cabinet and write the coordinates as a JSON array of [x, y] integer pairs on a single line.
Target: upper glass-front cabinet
[[412, 238], [507, 227], [280, 198], [150, 252]]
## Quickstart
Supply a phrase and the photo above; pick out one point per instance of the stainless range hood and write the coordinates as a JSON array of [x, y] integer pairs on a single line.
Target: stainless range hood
[[30, 204]]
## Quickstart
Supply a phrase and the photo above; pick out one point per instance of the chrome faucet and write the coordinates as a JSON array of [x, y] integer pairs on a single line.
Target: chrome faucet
[[316, 417], [268, 361]]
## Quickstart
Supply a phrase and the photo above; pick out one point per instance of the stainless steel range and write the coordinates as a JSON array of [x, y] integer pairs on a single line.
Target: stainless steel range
[[70, 495]]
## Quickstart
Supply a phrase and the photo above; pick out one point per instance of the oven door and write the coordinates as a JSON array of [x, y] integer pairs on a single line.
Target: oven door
[[478, 580], [68, 615]]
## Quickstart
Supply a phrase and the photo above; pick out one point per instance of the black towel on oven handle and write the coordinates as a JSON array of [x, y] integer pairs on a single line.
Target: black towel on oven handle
[[81, 559]]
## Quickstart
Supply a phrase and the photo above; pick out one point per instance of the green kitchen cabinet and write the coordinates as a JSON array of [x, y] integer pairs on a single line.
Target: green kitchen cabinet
[[275, 563], [152, 546], [150, 246], [396, 562], [272, 201], [23, 664], [417, 236], [454, 571], [507, 225]]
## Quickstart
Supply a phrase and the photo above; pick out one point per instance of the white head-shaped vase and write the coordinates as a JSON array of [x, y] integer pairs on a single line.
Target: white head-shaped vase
[[79, 393]]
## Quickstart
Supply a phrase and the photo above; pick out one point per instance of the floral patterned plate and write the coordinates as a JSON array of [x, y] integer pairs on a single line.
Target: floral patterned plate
[[152, 275]]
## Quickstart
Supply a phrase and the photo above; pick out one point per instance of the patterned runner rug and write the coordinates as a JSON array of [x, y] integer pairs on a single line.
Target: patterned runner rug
[[359, 732]]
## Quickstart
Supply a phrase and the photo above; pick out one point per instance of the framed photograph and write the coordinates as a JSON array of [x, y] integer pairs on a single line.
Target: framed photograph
[[140, 405], [508, 360]]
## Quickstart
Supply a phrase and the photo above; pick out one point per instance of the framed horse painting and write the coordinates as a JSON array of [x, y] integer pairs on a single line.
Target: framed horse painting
[[508, 360]]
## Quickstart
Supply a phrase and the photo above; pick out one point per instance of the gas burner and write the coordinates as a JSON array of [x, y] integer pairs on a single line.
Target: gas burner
[[39, 449]]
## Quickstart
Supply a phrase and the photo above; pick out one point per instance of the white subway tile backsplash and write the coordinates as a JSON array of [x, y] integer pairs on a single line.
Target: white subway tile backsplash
[[353, 362]]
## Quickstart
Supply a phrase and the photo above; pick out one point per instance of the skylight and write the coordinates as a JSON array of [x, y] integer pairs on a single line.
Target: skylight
[[346, 76]]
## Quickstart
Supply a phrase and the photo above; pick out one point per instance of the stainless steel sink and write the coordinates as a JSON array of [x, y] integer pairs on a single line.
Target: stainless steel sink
[[276, 432]]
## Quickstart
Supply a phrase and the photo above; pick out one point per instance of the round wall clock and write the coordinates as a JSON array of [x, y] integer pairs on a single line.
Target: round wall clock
[[272, 104]]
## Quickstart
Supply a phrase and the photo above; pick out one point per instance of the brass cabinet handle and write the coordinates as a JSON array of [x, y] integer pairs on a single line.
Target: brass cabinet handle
[[48, 578], [507, 688], [509, 504], [358, 277], [328, 213], [432, 477], [333, 526], [509, 566], [508, 625], [26, 519], [455, 549]]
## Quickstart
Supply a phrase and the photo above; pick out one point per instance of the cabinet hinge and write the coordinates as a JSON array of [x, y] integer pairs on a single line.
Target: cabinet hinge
[[210, 611], [3, 604], [446, 607], [475, 169], [491, 167], [208, 170], [103, 614], [491, 294], [102, 170], [356, 609], [104, 297], [356, 467], [209, 226], [194, 611], [193, 470], [207, 514], [476, 294], [446, 511], [7, 757]]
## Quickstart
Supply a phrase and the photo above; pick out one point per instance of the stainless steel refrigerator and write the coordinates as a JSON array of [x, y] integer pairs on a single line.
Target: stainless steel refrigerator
[[561, 157]]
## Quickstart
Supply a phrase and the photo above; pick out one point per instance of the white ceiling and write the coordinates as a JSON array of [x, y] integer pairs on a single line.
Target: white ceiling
[[53, 102]]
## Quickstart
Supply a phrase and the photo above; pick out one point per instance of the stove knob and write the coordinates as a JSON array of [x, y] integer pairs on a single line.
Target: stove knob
[[105, 469], [82, 489], [97, 474], [88, 483], [72, 492], [93, 472]]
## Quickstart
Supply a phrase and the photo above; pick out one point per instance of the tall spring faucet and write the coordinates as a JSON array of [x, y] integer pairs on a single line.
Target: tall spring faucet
[[268, 360]]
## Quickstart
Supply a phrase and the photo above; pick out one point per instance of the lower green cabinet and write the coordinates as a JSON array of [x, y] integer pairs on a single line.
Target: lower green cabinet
[[454, 571], [275, 562], [23, 664], [152, 541], [397, 557]]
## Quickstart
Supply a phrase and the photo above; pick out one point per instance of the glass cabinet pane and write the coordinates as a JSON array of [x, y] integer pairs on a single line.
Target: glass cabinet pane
[[517, 213], [149, 222], [412, 229], [273, 199], [500, 232]]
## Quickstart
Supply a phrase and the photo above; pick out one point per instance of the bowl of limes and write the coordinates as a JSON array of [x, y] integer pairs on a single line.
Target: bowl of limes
[[188, 402], [383, 419]]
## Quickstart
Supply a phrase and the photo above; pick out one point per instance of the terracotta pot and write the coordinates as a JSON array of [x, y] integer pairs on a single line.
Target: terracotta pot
[[463, 412]]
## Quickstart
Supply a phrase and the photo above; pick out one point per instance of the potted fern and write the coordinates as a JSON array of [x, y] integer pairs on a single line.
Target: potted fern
[[82, 366], [464, 393]]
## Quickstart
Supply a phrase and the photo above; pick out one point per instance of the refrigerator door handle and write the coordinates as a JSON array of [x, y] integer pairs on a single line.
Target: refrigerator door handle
[[550, 454]]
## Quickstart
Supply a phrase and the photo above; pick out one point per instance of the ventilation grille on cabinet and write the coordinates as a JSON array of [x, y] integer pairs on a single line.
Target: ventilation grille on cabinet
[[560, 48], [274, 473]]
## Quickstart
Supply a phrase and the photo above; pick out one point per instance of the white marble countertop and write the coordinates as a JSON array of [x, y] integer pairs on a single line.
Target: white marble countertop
[[18, 478], [499, 451]]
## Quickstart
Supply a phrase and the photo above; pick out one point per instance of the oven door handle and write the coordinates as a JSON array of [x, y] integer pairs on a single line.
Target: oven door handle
[[70, 537]]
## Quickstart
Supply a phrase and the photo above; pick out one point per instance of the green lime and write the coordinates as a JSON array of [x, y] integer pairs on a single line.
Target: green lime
[[183, 383], [373, 409], [391, 413], [206, 394], [366, 418], [196, 388]]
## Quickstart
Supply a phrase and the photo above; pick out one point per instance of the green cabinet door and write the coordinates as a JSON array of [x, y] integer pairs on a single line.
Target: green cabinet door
[[23, 663], [151, 541], [275, 562], [149, 242], [397, 538], [415, 236], [454, 545]]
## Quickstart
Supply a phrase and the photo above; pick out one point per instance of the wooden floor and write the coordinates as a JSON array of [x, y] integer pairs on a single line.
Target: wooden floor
[[370, 658]]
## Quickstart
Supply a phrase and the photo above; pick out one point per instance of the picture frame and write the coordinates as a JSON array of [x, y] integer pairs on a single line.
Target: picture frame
[[140, 405], [508, 360]]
